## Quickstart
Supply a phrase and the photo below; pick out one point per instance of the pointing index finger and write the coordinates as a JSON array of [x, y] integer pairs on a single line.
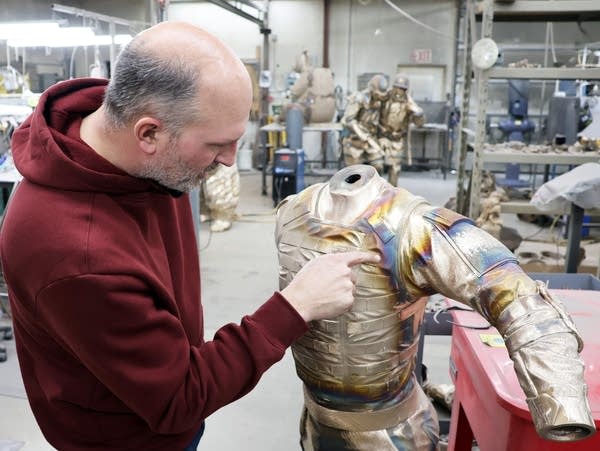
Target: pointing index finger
[[357, 257]]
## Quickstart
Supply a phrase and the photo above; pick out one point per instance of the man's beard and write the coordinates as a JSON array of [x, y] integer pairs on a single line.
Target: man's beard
[[172, 172]]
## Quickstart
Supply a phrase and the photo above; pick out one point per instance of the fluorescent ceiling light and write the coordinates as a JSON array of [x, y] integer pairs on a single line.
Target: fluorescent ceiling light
[[68, 37], [61, 37], [17, 30]]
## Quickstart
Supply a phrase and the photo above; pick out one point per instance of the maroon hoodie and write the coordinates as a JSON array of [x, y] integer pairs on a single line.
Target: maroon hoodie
[[103, 277]]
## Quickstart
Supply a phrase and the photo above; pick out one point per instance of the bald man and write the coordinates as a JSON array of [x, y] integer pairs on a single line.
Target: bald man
[[98, 251]]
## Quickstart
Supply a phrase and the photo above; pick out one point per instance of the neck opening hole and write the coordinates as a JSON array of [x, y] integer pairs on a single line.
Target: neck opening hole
[[352, 178]]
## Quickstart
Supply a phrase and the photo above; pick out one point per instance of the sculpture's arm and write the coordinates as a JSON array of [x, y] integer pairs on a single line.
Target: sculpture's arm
[[417, 115], [299, 87], [355, 104], [441, 251], [350, 120]]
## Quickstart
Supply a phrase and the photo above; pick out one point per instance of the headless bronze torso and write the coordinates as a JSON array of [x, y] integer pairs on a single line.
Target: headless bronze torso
[[363, 360], [370, 350]]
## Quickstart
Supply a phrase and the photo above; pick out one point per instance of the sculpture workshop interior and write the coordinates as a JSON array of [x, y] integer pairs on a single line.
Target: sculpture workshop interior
[[457, 139]]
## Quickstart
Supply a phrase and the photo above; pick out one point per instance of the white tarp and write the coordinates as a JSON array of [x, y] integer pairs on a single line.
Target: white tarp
[[580, 186], [19, 111], [10, 445]]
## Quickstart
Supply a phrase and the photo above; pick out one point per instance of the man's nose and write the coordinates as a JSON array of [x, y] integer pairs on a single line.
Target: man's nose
[[227, 157]]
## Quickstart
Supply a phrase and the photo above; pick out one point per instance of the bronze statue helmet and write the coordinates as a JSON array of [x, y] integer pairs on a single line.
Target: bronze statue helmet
[[400, 81], [378, 86]]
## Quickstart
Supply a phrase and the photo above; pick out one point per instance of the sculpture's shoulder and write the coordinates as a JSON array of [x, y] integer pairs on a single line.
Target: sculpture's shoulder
[[359, 98], [322, 81], [297, 205]]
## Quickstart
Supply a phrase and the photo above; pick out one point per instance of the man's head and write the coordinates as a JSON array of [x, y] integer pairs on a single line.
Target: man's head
[[183, 98], [378, 88]]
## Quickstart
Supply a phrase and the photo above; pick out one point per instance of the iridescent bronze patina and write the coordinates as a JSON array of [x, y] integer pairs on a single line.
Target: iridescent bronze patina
[[360, 391]]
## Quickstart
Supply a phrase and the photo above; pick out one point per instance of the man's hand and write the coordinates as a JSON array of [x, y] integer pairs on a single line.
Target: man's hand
[[324, 287]]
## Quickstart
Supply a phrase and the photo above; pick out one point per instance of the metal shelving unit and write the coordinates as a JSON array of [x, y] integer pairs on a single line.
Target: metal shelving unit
[[545, 11], [487, 11], [545, 73], [539, 158], [521, 206]]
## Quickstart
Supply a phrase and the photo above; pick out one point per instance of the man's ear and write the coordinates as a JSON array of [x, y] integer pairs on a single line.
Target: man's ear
[[146, 131]]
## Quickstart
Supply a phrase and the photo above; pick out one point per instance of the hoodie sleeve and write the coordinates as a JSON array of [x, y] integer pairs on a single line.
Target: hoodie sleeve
[[142, 355]]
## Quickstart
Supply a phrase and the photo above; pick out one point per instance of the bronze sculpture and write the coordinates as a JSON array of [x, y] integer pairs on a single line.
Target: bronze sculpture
[[357, 370]]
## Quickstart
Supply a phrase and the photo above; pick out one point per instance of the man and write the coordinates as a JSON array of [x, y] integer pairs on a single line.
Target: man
[[99, 253], [359, 388], [397, 113], [361, 123]]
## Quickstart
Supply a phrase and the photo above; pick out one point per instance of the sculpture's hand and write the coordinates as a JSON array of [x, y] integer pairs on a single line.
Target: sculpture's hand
[[324, 287], [359, 131], [373, 144], [418, 115], [366, 137]]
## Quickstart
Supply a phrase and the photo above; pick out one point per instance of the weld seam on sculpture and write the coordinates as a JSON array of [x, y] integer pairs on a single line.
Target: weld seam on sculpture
[[518, 315]]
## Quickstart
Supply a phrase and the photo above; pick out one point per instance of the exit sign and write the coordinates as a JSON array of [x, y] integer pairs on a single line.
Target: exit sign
[[421, 56]]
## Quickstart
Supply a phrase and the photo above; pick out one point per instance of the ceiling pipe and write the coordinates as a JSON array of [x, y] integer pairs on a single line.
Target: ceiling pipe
[[251, 4], [326, 18], [229, 7]]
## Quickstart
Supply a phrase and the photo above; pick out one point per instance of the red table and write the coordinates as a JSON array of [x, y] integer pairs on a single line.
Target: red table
[[489, 403]]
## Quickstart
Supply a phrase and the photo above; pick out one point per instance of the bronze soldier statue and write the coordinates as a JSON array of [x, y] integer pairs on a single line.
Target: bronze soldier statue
[[361, 122], [398, 112]]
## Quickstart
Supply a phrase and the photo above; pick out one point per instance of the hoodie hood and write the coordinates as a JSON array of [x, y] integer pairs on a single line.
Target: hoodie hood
[[47, 149]]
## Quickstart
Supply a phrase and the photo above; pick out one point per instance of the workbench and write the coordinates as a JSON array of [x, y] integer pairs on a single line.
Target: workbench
[[489, 404], [426, 153]]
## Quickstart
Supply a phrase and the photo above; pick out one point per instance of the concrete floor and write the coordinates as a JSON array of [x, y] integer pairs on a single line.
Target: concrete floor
[[239, 272]]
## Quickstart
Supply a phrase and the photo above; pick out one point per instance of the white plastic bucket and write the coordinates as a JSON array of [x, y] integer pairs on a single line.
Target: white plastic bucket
[[244, 157]]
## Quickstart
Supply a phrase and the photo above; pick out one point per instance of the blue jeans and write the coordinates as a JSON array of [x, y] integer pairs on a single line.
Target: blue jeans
[[194, 443]]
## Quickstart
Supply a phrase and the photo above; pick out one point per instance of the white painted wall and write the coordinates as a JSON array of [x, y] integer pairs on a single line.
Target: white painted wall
[[370, 36], [240, 34], [380, 37], [365, 36], [295, 25]]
